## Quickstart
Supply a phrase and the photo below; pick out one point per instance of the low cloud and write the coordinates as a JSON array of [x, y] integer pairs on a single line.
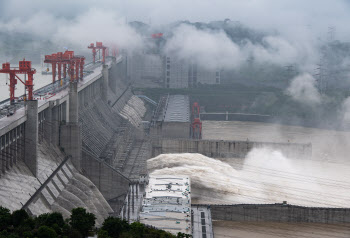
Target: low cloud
[[303, 89], [210, 49], [280, 51], [91, 26], [97, 25], [214, 49]]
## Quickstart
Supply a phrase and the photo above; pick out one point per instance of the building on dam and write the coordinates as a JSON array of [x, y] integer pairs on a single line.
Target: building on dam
[[167, 204]]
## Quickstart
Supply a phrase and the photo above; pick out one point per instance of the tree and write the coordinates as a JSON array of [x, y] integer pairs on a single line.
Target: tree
[[6, 234], [82, 221], [74, 234], [5, 218], [18, 217], [137, 229], [51, 220], [115, 226], [102, 234], [46, 232], [55, 218], [25, 227]]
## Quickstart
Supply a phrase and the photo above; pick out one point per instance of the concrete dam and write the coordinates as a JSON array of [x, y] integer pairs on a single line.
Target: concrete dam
[[82, 148], [88, 146]]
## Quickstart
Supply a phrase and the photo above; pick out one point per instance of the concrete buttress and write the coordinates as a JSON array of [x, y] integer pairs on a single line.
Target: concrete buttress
[[105, 75], [70, 138], [73, 102], [55, 124], [31, 137], [48, 122]]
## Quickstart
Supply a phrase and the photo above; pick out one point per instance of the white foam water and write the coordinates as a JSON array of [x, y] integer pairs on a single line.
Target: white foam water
[[264, 176]]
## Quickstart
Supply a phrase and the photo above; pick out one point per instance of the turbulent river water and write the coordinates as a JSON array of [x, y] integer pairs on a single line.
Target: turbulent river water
[[264, 176]]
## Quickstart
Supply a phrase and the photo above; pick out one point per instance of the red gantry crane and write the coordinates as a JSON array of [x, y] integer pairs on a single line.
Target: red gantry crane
[[75, 65], [157, 35], [25, 67], [99, 46]]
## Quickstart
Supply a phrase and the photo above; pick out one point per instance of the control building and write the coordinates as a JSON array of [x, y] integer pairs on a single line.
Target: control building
[[167, 204]]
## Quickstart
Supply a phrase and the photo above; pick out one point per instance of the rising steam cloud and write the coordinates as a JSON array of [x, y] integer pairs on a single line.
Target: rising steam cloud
[[207, 48], [303, 89], [98, 25], [266, 176], [213, 49]]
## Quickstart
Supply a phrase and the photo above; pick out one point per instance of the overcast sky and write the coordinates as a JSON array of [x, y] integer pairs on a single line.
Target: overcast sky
[[280, 14], [301, 25]]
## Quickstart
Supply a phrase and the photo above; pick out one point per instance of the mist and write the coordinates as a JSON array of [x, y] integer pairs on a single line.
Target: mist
[[293, 31], [303, 89], [264, 176], [251, 43]]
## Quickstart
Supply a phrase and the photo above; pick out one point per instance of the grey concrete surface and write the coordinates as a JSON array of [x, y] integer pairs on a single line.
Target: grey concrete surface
[[279, 213], [201, 222], [31, 136], [222, 149]]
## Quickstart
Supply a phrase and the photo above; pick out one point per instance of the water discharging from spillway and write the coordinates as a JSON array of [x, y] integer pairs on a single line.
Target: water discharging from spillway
[[264, 176]]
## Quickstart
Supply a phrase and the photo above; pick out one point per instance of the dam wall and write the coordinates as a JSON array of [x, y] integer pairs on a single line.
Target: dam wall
[[212, 116], [79, 146], [111, 131], [57, 187], [110, 182], [279, 212], [226, 149]]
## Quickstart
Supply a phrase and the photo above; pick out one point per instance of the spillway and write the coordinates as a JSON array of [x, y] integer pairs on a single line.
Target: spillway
[[264, 176]]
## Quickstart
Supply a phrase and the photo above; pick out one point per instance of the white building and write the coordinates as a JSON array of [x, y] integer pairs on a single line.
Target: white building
[[167, 204]]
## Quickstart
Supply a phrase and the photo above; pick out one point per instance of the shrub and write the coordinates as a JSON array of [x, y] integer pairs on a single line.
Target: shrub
[[82, 221], [46, 232]]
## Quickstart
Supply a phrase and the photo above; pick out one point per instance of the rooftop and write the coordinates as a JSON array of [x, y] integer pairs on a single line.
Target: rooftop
[[167, 204], [178, 109]]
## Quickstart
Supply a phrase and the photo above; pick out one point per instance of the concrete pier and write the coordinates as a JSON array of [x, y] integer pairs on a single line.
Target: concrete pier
[[31, 136], [73, 102], [105, 75], [55, 124], [70, 139], [48, 122]]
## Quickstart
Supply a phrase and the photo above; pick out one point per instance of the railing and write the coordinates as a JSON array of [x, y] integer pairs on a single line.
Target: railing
[[163, 103], [147, 99]]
